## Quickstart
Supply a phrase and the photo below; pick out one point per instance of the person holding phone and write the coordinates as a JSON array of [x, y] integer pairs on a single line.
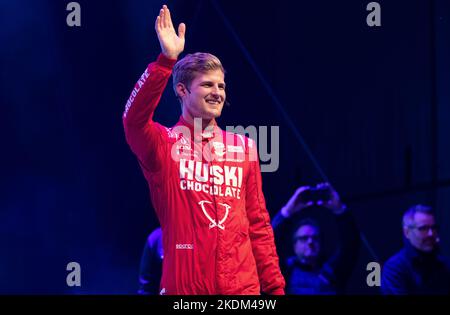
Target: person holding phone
[[308, 271]]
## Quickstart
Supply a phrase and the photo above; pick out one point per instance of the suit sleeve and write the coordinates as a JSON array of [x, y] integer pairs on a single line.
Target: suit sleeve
[[143, 135], [261, 234], [281, 226]]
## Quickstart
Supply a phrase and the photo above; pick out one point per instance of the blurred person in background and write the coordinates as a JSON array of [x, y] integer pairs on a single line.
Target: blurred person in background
[[309, 271], [418, 268]]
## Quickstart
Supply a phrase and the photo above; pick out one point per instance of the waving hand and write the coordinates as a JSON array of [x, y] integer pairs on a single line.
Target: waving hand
[[171, 44]]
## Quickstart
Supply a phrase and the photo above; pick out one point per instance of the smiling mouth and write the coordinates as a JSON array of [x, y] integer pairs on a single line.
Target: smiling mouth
[[213, 102]]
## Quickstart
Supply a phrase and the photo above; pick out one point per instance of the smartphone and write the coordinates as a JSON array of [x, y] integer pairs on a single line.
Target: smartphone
[[315, 194]]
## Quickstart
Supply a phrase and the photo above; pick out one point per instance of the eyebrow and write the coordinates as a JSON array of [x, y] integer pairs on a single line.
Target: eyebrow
[[210, 82]]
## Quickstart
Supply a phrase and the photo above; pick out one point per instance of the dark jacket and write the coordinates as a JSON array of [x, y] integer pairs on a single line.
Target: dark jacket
[[151, 264], [411, 271]]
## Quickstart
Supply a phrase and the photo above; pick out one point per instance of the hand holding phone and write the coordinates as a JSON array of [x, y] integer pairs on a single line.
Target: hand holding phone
[[296, 202]]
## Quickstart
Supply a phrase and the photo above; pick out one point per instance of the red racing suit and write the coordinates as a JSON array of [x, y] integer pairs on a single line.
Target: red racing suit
[[207, 193]]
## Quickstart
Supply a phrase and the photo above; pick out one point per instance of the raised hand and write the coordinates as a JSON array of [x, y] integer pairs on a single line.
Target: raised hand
[[171, 44], [295, 204], [334, 203]]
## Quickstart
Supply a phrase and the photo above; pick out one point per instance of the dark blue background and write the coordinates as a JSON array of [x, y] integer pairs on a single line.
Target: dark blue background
[[372, 104]]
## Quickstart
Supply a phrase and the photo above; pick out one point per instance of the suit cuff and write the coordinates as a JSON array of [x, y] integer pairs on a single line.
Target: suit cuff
[[165, 62], [278, 291]]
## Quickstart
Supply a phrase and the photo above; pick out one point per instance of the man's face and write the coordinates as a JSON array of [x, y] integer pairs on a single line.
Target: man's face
[[422, 233], [206, 97], [307, 244]]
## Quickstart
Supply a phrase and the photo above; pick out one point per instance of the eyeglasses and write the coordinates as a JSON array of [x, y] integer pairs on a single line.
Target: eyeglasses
[[425, 228], [305, 238]]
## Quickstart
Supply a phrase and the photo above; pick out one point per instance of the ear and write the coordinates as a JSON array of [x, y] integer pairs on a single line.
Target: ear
[[181, 89], [406, 232]]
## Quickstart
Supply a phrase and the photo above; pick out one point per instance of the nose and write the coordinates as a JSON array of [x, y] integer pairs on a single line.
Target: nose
[[215, 91]]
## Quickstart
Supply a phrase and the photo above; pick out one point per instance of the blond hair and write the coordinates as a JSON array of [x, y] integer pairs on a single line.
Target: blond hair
[[186, 69]]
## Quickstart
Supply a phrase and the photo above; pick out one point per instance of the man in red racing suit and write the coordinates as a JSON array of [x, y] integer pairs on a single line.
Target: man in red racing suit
[[205, 184]]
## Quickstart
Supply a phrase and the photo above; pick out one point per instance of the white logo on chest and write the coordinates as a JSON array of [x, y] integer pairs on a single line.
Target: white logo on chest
[[213, 222]]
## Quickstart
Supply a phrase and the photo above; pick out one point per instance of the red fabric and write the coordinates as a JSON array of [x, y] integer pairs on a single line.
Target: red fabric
[[217, 235]]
